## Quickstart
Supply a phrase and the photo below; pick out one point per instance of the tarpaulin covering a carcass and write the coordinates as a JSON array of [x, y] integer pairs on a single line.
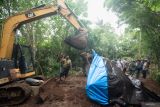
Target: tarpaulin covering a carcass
[[97, 81], [107, 84]]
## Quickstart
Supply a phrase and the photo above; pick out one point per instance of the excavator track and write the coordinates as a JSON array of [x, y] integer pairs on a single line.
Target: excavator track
[[14, 93]]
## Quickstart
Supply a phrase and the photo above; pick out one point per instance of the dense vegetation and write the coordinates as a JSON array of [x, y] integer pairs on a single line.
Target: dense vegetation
[[143, 17], [141, 38]]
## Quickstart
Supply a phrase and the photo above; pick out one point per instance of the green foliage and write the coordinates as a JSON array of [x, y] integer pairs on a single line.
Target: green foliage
[[142, 15], [45, 36], [103, 39], [143, 19], [158, 77], [155, 74]]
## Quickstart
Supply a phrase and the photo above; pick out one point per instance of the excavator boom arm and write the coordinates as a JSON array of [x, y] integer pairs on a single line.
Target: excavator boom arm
[[8, 33]]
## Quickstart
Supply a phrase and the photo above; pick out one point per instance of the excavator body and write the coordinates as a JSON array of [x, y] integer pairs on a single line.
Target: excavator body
[[13, 64]]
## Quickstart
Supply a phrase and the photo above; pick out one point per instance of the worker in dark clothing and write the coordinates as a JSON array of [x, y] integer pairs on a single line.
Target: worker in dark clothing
[[66, 66], [139, 66], [132, 67]]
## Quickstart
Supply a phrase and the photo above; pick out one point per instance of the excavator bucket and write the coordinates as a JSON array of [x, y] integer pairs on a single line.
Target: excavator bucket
[[78, 41]]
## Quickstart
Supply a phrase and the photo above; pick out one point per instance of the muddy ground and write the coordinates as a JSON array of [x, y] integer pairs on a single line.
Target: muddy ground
[[68, 93], [71, 93], [151, 85]]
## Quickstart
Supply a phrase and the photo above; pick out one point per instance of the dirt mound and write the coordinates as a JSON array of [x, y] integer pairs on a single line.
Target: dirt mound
[[68, 93], [151, 85], [71, 93]]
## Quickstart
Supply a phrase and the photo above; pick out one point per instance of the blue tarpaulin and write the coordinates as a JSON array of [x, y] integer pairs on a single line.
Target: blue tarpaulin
[[97, 81]]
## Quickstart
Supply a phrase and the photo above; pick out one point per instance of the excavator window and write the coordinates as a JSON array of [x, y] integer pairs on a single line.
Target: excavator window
[[22, 57]]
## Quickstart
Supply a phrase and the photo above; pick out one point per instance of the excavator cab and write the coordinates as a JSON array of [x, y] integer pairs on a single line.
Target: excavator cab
[[23, 58], [20, 65]]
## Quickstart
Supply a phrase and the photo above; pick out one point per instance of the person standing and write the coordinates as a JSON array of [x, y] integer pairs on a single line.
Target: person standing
[[145, 68], [132, 67], [62, 62], [66, 66], [60, 59], [139, 65]]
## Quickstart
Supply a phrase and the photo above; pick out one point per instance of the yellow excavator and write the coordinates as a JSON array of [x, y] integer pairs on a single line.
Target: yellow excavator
[[12, 59]]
